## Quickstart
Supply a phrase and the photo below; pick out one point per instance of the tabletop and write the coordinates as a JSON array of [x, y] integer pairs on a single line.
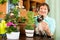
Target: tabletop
[[23, 37]]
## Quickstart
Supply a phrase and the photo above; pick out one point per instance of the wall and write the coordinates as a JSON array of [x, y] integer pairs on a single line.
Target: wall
[[3, 9], [28, 4]]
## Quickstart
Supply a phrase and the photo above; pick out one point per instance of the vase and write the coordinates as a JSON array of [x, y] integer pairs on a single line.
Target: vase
[[13, 35], [29, 33]]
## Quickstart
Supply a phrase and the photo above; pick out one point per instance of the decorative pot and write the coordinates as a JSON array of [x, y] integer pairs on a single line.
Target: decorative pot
[[13, 35], [29, 33]]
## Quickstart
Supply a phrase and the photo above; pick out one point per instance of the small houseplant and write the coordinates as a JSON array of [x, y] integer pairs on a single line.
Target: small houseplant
[[29, 29], [11, 27], [12, 23]]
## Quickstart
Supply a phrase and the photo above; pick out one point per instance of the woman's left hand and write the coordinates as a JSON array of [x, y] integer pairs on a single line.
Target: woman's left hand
[[46, 28], [44, 25]]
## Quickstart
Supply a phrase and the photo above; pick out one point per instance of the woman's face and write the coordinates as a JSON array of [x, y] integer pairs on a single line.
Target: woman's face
[[43, 10]]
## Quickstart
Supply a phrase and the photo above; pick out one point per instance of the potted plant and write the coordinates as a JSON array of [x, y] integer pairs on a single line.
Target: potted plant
[[12, 30], [29, 29], [12, 25]]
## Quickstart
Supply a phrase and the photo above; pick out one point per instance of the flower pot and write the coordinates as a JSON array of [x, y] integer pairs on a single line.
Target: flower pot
[[22, 26], [13, 35], [29, 33]]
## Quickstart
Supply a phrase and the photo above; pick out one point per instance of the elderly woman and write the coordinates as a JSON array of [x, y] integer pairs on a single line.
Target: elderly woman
[[44, 24]]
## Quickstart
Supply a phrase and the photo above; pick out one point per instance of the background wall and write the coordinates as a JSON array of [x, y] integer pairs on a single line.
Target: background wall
[[3, 9], [55, 13]]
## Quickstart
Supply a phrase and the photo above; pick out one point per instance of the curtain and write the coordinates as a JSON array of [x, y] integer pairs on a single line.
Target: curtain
[[55, 13]]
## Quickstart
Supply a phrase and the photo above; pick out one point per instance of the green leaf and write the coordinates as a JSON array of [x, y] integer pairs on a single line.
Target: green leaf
[[29, 27]]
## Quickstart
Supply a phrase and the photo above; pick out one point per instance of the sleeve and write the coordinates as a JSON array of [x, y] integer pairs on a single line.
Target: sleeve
[[36, 23], [52, 26]]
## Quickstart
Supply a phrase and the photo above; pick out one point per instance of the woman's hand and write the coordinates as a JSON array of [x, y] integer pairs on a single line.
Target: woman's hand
[[44, 25], [46, 28]]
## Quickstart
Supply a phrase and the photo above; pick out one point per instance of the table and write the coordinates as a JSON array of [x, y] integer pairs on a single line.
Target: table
[[23, 37]]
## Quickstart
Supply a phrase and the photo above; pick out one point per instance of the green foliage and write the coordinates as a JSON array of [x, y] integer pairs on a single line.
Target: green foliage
[[11, 29], [29, 27], [15, 11], [7, 17], [30, 16], [14, 1], [30, 21], [2, 1], [14, 18], [22, 19]]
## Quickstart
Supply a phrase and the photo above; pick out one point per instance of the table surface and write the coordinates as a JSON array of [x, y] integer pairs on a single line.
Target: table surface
[[23, 37]]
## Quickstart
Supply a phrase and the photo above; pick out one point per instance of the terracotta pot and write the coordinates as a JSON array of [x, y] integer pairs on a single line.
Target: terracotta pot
[[22, 28]]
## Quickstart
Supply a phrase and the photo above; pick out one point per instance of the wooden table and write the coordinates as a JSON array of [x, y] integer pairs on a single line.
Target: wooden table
[[23, 37]]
